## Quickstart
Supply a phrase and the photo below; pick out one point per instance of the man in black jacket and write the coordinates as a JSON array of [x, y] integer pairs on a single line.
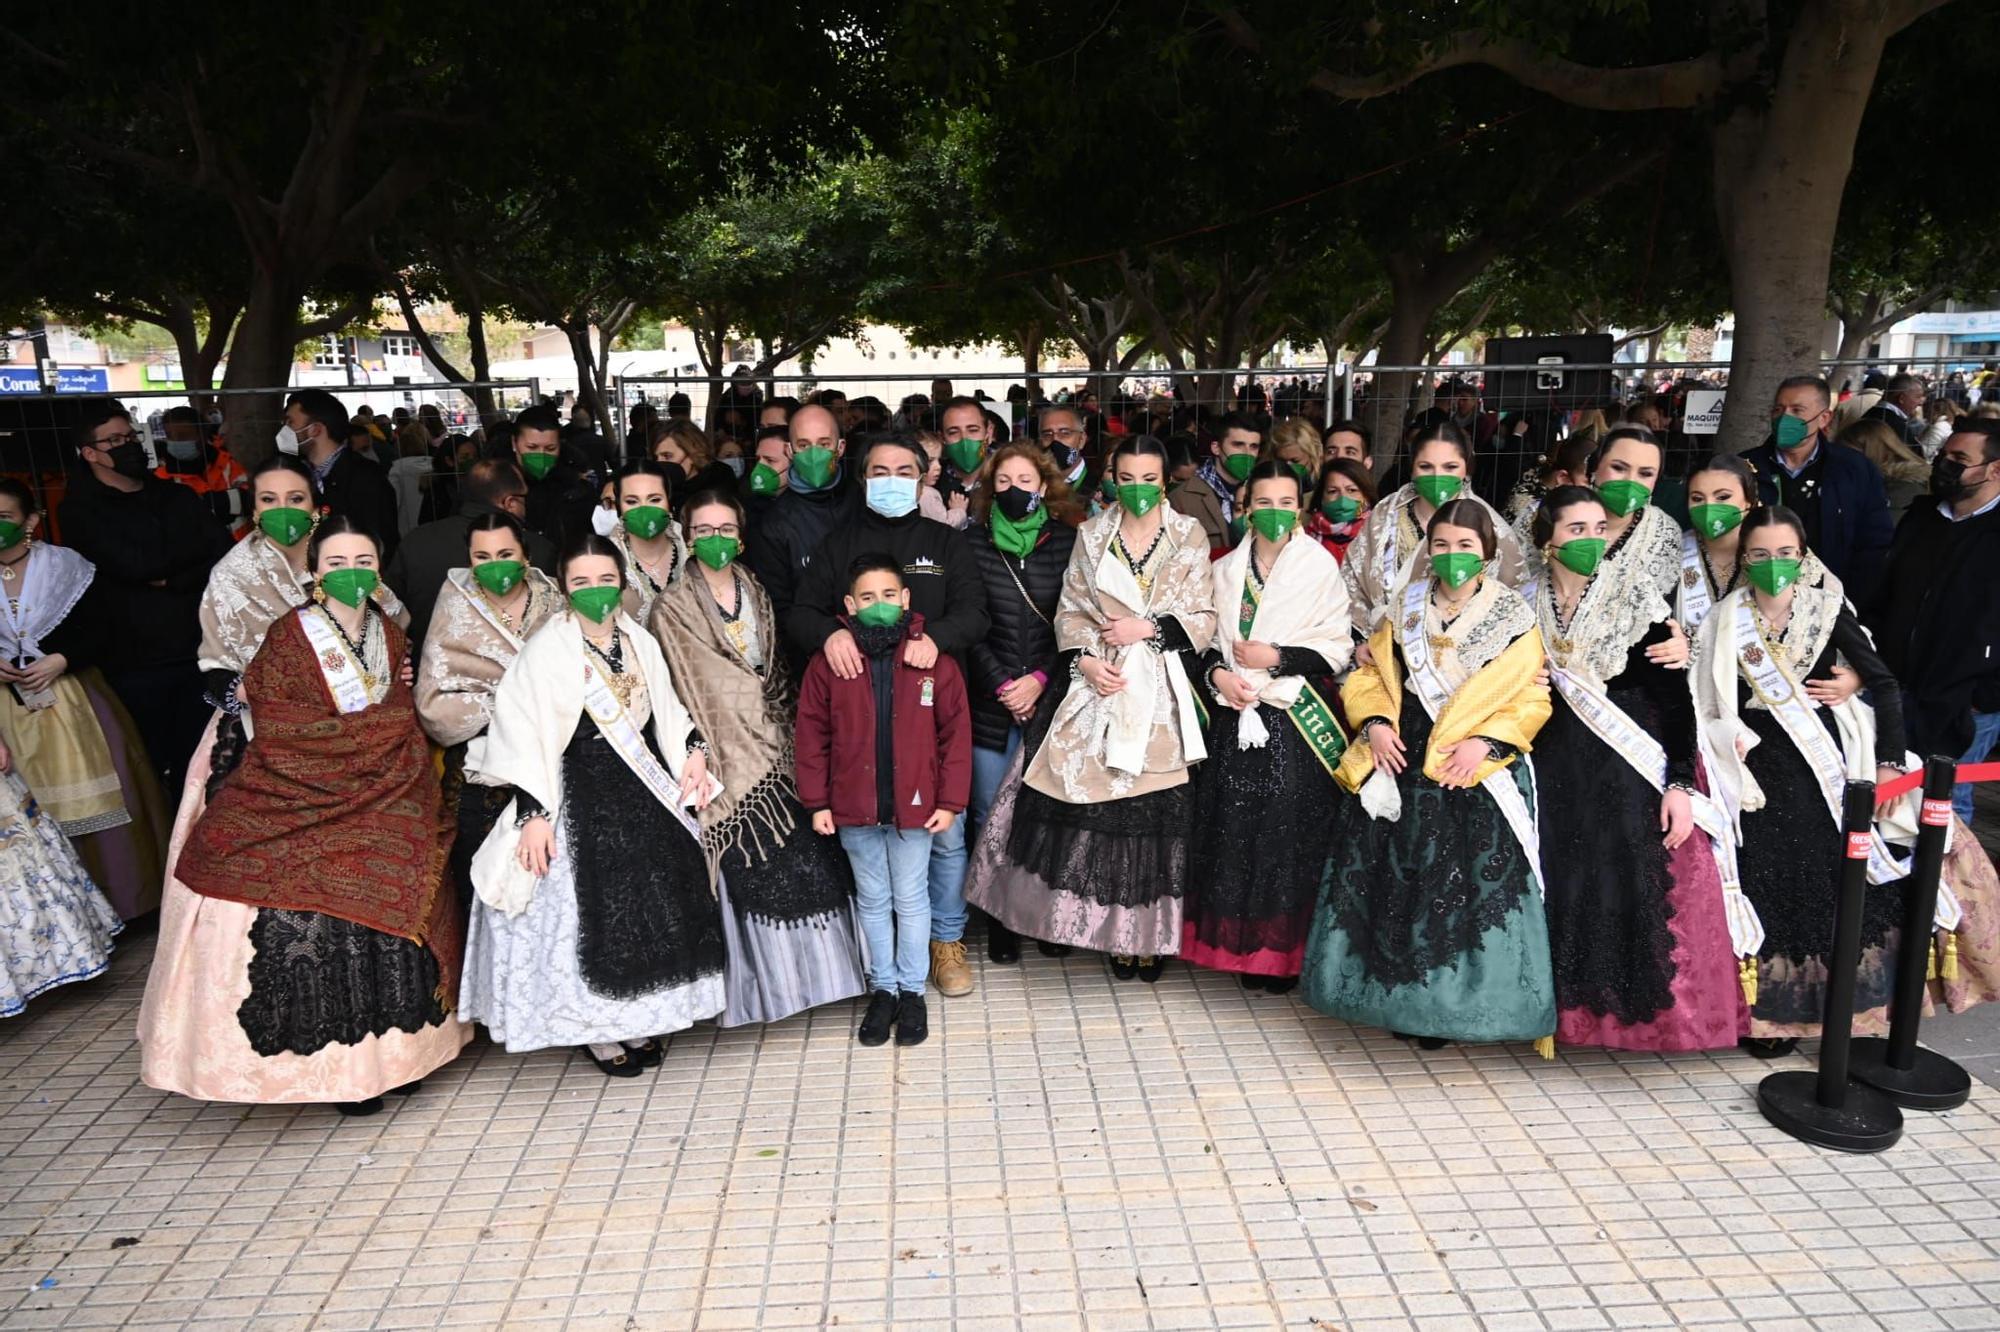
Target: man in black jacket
[[945, 588], [1902, 410], [817, 496], [1936, 615], [429, 552], [349, 485], [1836, 492], [153, 543], [559, 497]]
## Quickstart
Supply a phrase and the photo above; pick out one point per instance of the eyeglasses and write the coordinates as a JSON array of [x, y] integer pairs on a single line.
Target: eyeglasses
[[1062, 433], [116, 440], [709, 530]]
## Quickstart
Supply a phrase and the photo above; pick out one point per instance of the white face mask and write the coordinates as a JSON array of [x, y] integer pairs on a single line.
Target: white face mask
[[603, 521], [288, 441]]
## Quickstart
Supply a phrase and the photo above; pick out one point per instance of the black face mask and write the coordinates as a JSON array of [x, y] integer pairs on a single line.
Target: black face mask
[[1948, 479], [1016, 503], [129, 460]]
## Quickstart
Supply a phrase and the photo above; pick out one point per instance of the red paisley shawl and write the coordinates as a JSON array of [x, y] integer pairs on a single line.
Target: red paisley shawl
[[332, 812]]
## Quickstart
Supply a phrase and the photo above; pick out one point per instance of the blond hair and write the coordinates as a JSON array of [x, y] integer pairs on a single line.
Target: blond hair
[[1296, 432], [1877, 441]]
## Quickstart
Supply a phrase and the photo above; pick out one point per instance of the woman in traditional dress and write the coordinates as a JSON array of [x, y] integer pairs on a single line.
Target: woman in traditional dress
[[1391, 549], [647, 540], [787, 897], [1624, 473], [1781, 757], [323, 959], [1024, 529], [55, 926], [1263, 796], [597, 923], [76, 746], [1430, 921], [484, 613], [1341, 505], [1089, 845], [1639, 931]]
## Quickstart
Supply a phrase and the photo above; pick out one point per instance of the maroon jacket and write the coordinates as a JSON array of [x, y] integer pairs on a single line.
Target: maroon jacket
[[933, 741]]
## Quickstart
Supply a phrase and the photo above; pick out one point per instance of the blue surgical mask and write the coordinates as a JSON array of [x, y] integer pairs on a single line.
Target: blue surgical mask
[[184, 450], [892, 496], [735, 465]]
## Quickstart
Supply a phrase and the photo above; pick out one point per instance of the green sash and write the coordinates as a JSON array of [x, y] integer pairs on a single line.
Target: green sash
[[1318, 724]]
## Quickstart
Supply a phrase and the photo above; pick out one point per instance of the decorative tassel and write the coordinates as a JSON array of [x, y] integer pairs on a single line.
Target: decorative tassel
[[1546, 1047], [1948, 970], [1746, 972], [1931, 971]]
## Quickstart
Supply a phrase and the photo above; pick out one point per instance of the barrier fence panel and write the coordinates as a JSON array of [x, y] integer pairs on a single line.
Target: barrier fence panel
[[36, 430]]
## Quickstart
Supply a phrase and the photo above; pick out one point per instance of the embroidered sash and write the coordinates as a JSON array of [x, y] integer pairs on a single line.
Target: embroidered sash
[[337, 663], [1423, 679], [1318, 723], [1696, 600], [1788, 703], [624, 738]]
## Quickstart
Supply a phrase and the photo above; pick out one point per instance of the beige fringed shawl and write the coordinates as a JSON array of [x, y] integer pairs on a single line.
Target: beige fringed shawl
[[248, 590], [745, 717], [468, 649]]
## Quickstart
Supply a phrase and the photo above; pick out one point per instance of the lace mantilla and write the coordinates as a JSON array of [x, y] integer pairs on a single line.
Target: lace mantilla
[[1616, 610], [1805, 636], [1482, 631], [1651, 545]]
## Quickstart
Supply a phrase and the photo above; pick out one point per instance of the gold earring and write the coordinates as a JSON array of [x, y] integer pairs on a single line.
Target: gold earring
[[319, 594]]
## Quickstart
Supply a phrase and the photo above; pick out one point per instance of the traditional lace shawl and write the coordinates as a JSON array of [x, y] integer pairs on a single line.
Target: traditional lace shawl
[[467, 651], [1490, 622], [1390, 537], [639, 590], [248, 590], [1653, 543], [1616, 610]]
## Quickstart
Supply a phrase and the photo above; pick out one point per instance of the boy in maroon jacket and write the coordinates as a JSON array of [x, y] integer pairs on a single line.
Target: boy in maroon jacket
[[885, 758]]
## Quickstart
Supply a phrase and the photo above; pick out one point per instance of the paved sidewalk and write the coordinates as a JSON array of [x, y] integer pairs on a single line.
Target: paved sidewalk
[[1066, 1152]]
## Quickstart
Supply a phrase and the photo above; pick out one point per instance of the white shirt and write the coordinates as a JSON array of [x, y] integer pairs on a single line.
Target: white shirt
[[1988, 507]]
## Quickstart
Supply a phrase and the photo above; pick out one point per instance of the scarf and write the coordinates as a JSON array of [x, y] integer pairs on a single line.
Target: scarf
[[468, 649], [335, 807], [53, 580], [1302, 604], [745, 717], [249, 589]]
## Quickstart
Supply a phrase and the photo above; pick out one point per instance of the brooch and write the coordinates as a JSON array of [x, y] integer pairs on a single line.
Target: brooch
[[1754, 655], [1689, 577], [331, 659], [1410, 623]]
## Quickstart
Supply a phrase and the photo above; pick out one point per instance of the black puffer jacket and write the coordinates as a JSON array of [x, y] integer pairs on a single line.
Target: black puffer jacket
[[1018, 640]]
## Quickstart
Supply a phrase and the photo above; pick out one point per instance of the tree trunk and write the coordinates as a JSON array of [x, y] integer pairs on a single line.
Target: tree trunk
[[1413, 304], [260, 357], [482, 369], [1031, 361], [589, 387], [1780, 170]]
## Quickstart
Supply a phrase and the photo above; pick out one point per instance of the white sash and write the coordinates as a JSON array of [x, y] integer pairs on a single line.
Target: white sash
[[1788, 703], [618, 730], [1130, 716], [1422, 678], [336, 662], [1696, 602]]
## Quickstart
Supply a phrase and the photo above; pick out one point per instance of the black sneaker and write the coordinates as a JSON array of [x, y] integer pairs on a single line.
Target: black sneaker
[[875, 1022], [1002, 944], [912, 1022]]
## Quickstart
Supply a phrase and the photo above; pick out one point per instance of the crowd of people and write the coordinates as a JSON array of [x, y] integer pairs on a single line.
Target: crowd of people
[[627, 739]]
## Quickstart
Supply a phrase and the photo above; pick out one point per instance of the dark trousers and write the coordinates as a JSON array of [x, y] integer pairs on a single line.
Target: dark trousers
[[167, 705]]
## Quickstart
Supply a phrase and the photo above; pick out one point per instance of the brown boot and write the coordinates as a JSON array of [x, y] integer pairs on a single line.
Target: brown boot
[[948, 970]]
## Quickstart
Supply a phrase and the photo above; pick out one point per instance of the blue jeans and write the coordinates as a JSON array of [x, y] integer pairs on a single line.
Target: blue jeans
[[1985, 732], [894, 902], [988, 767], [947, 895]]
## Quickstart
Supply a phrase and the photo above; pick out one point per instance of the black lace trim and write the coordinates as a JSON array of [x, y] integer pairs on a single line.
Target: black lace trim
[[318, 980], [1125, 853]]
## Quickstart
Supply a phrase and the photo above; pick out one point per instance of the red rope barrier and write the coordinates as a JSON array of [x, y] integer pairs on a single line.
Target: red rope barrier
[[1910, 781]]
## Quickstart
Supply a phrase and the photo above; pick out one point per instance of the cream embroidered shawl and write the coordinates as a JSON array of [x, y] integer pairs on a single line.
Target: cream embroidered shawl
[[1391, 536], [248, 590], [467, 651]]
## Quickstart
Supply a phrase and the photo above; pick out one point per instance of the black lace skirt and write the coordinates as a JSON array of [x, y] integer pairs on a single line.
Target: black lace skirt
[[806, 879], [1122, 853], [1605, 871], [646, 919], [1263, 821], [319, 980]]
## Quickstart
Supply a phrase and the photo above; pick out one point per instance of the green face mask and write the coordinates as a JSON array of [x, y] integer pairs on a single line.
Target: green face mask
[[1341, 509], [646, 521], [1580, 555], [11, 534], [350, 587], [814, 467], [764, 480], [1458, 568], [717, 552], [287, 527], [965, 453], [1238, 466], [537, 465], [1622, 497], [1274, 524], [1304, 474], [596, 602], [1139, 500], [499, 576], [1438, 488], [1714, 520], [1772, 576], [879, 615], [1791, 431]]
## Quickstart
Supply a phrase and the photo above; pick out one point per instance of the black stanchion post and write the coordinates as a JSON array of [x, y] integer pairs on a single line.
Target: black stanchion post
[[1827, 1109], [1912, 1078]]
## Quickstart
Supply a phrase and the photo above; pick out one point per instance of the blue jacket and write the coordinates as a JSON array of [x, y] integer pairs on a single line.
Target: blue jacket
[[1854, 521]]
